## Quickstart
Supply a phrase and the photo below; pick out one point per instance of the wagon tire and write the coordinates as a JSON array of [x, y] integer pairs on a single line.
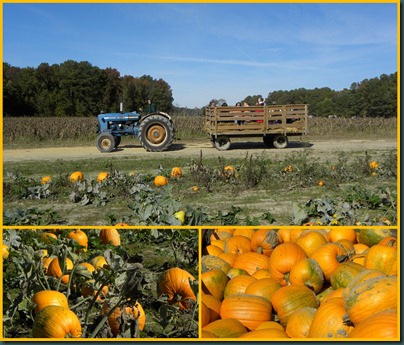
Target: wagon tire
[[268, 140], [280, 141], [105, 142], [222, 143]]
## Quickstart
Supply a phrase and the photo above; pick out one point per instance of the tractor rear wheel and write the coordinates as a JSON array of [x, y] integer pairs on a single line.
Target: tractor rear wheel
[[156, 133], [105, 142]]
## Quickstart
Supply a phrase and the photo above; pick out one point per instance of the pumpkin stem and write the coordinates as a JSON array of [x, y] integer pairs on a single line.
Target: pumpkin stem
[[342, 258], [347, 321], [260, 250]]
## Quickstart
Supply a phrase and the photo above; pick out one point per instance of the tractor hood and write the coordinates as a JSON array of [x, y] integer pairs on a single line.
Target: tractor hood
[[118, 116]]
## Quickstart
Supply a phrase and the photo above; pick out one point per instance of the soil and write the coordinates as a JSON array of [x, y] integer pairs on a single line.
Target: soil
[[322, 150]]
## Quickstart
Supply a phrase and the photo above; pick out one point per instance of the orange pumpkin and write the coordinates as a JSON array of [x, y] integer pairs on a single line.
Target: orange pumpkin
[[339, 233], [266, 333], [87, 266], [87, 289], [175, 282], [265, 288], [76, 176], [226, 328], [206, 334], [390, 241], [264, 241], [205, 314], [214, 282], [370, 237], [381, 325], [262, 273], [237, 245], [110, 236], [344, 274], [360, 278], [251, 262], [47, 237], [220, 235], [214, 305], [247, 232], [160, 181], [270, 324], [328, 321], [284, 235], [228, 170], [212, 250], [80, 237], [176, 172], [56, 322], [210, 261], [55, 270], [329, 256], [290, 298], [235, 272], [310, 240], [99, 262], [43, 298], [135, 310], [250, 310], [102, 176], [371, 296], [46, 179], [228, 257], [382, 258], [299, 322], [307, 272], [238, 285], [282, 260]]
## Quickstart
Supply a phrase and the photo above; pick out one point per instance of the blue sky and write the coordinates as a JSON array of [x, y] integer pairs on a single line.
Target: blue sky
[[211, 50]]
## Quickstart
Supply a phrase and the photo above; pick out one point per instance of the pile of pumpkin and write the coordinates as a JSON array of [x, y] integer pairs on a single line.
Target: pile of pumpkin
[[299, 283]]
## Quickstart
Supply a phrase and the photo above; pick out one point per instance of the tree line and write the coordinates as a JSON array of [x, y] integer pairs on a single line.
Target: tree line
[[80, 89]]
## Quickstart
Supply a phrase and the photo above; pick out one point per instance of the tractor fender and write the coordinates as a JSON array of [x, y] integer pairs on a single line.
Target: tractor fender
[[156, 113]]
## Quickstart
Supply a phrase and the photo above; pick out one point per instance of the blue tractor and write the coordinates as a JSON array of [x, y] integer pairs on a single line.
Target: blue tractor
[[155, 131]]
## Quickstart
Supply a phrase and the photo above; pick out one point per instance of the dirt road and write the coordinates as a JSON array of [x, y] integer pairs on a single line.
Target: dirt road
[[194, 148]]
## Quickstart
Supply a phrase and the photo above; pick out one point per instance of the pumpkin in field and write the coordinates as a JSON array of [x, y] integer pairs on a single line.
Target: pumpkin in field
[[160, 181], [373, 165], [176, 172], [102, 176], [382, 258], [328, 321], [56, 322], [282, 260], [99, 262], [228, 170], [175, 282], [371, 296], [134, 311], [110, 236], [290, 298], [47, 237], [226, 328], [380, 325], [55, 269], [88, 289], [5, 251], [45, 179], [76, 176], [80, 237], [87, 266], [44, 298]]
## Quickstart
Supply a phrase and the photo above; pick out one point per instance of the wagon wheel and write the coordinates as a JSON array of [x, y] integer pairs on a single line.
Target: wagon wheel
[[268, 140], [105, 142], [222, 143], [280, 141]]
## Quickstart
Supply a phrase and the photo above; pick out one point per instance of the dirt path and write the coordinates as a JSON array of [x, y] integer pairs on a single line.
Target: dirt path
[[194, 148]]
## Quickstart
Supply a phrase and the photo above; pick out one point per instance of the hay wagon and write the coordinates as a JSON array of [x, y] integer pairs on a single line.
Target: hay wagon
[[274, 123]]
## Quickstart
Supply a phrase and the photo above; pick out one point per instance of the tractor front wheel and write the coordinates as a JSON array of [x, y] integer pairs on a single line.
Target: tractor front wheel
[[156, 133], [105, 142]]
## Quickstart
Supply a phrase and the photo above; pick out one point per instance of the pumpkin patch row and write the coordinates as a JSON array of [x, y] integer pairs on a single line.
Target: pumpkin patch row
[[79, 281], [300, 283]]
